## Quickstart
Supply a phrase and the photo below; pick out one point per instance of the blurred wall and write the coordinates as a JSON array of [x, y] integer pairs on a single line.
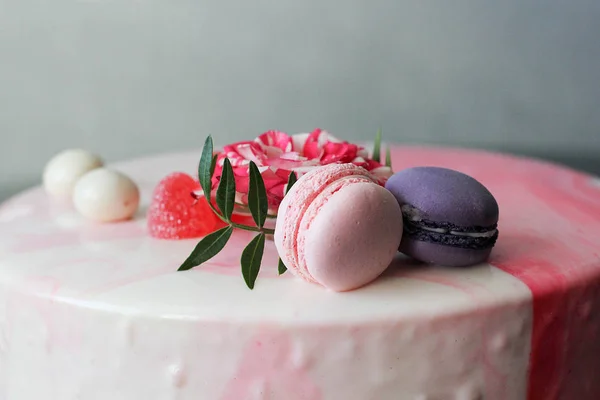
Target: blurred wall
[[129, 77]]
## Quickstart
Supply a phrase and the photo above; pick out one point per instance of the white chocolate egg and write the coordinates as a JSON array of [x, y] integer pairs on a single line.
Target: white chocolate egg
[[105, 195], [64, 170]]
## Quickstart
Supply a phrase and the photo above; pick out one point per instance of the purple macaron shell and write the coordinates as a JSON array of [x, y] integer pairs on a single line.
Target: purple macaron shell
[[445, 195], [447, 256], [445, 198]]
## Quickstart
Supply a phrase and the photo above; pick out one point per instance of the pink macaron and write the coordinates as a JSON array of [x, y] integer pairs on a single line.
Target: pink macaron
[[338, 228]]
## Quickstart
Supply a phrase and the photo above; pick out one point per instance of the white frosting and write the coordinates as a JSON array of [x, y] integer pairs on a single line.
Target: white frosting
[[436, 230], [105, 195], [64, 170], [98, 312]]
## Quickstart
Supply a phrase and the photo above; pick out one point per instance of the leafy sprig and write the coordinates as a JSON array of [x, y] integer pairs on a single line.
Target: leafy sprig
[[212, 244], [258, 206]]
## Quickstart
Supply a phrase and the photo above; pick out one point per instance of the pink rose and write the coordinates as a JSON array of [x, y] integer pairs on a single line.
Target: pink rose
[[277, 154]]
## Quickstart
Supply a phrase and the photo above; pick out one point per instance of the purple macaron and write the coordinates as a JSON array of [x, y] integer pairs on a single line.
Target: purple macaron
[[450, 218]]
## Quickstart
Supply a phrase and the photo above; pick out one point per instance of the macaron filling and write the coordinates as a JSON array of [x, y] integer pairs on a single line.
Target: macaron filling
[[446, 233]]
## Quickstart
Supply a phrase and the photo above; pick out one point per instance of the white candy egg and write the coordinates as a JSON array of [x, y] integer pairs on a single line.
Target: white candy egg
[[106, 195], [64, 170]]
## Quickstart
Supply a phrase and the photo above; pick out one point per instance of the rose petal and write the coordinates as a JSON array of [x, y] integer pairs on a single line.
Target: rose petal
[[339, 152], [293, 165], [271, 179], [328, 137], [232, 152], [241, 184], [371, 165], [313, 147], [292, 156], [272, 152], [276, 139], [283, 174], [382, 174], [242, 171], [251, 152], [277, 192], [298, 141], [362, 152]]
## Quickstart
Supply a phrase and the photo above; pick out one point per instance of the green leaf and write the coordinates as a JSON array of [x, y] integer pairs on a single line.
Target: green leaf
[[208, 247], [226, 190], [281, 268], [251, 259], [388, 157], [204, 168], [377, 147], [291, 180], [257, 196]]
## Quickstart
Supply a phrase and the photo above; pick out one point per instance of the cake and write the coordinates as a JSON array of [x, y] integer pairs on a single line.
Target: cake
[[92, 311]]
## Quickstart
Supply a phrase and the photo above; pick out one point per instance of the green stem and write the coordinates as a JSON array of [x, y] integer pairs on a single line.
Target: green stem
[[266, 231], [217, 213]]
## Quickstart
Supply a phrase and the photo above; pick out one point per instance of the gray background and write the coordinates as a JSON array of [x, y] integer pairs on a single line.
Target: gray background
[[126, 77]]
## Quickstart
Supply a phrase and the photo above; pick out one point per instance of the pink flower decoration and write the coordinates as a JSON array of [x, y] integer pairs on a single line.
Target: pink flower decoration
[[277, 154]]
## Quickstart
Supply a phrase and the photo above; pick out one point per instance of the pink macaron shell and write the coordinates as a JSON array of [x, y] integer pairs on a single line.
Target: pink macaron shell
[[315, 209], [354, 237], [284, 231], [295, 203]]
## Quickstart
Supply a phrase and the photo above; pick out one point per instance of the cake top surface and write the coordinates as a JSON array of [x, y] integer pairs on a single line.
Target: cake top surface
[[549, 224]]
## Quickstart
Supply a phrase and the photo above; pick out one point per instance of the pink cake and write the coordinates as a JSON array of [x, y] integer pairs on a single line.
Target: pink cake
[[97, 311]]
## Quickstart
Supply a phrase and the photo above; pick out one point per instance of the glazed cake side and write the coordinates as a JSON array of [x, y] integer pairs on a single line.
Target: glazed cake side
[[97, 311]]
